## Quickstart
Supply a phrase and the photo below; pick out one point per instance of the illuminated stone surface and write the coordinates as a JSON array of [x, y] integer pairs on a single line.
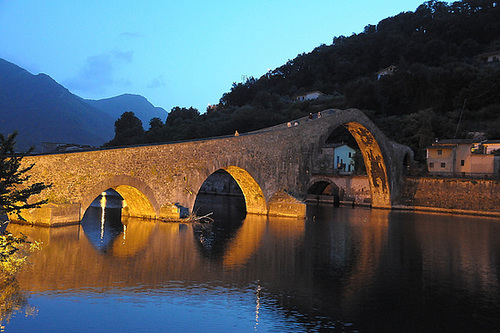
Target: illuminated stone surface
[[157, 181]]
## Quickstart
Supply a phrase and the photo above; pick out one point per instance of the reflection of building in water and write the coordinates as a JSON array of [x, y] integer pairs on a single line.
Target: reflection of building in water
[[454, 252]]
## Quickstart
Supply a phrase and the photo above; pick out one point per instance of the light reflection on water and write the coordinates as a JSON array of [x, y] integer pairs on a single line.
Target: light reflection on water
[[343, 268]]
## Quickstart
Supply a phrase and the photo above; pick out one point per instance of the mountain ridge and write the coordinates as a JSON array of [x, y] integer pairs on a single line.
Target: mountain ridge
[[117, 105], [42, 110]]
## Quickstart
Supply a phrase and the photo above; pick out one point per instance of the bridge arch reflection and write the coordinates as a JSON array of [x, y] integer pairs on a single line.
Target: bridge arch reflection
[[111, 232]]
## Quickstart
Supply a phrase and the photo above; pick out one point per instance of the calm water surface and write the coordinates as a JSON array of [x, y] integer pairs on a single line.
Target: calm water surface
[[341, 270]]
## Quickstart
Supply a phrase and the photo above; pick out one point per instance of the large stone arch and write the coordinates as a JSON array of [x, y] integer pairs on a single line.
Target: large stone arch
[[374, 162], [254, 197], [381, 157], [139, 198]]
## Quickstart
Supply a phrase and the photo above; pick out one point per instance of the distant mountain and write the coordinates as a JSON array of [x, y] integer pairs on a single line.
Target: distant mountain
[[42, 110], [139, 105]]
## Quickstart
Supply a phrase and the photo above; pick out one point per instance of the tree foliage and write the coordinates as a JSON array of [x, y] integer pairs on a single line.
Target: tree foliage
[[128, 130], [14, 194], [439, 79]]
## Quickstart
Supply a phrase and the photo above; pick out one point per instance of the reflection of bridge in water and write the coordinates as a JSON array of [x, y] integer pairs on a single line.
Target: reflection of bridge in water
[[273, 168], [338, 259]]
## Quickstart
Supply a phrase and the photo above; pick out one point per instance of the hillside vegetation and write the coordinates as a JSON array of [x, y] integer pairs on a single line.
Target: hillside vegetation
[[440, 88]]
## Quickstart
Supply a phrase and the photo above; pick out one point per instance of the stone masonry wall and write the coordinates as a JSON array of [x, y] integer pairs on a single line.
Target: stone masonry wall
[[460, 194]]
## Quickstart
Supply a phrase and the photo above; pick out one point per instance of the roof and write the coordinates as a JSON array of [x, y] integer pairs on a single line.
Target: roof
[[309, 93], [486, 55], [442, 146], [456, 141], [387, 69], [336, 145]]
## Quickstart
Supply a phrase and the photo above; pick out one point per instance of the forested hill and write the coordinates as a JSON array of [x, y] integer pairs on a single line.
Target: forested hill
[[438, 81]]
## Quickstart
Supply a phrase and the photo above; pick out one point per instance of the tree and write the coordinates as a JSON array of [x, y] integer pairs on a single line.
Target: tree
[[128, 130], [155, 123], [13, 195], [178, 115]]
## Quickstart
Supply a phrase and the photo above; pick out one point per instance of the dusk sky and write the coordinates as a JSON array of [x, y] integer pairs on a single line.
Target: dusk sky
[[174, 53]]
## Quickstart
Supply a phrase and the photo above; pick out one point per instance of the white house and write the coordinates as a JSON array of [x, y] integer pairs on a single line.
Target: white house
[[490, 56], [341, 157], [309, 96], [386, 71]]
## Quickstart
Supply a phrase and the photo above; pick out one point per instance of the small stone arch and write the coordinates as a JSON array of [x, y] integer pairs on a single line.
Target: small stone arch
[[317, 187], [138, 196]]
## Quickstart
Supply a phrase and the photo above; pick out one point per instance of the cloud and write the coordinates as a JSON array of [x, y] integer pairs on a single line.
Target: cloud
[[158, 82], [98, 72]]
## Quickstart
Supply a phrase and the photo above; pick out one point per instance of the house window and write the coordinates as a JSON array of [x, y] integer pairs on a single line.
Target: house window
[[431, 165], [443, 165], [350, 154], [462, 162], [440, 152]]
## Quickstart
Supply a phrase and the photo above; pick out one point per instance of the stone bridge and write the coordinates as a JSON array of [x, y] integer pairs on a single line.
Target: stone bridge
[[273, 168]]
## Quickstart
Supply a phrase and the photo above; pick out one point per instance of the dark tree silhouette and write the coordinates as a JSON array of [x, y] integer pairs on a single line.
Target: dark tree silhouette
[[14, 195]]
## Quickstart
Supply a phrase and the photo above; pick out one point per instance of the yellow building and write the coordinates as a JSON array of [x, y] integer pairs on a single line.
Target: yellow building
[[464, 158]]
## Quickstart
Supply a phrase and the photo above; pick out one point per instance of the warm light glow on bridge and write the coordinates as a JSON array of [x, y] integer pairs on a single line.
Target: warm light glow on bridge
[[254, 197], [136, 204], [374, 162]]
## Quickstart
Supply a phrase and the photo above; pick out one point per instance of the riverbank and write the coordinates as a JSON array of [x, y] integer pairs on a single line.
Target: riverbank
[[422, 209], [475, 197]]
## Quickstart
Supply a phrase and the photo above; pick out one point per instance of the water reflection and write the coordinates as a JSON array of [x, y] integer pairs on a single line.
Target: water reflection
[[226, 217], [13, 300], [341, 269], [102, 221]]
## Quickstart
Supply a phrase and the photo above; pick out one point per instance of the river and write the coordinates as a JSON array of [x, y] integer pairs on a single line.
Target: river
[[340, 270]]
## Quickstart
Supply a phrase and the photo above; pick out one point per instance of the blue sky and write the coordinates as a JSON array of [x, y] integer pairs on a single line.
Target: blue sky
[[174, 53]]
